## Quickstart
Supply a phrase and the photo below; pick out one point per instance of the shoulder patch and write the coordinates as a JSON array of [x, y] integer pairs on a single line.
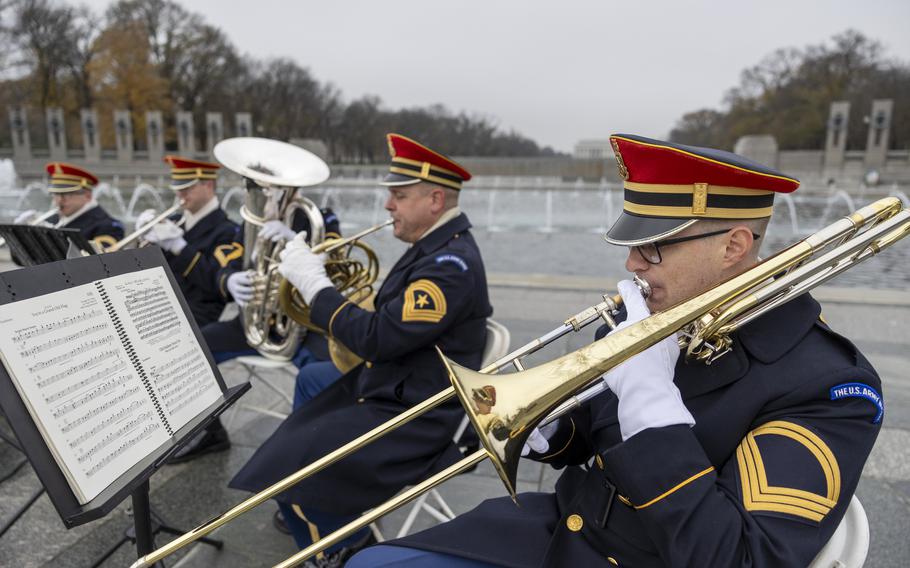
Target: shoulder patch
[[423, 301], [224, 254], [860, 390], [805, 469], [454, 259]]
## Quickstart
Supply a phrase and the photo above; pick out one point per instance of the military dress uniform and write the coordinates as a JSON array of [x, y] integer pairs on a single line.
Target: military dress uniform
[[226, 339], [93, 221], [211, 244], [783, 424], [435, 295]]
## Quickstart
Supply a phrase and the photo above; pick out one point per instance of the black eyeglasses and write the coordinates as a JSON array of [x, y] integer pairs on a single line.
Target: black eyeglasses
[[650, 252]]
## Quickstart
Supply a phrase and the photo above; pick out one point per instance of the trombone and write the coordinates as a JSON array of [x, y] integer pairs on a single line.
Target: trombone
[[140, 231], [539, 395]]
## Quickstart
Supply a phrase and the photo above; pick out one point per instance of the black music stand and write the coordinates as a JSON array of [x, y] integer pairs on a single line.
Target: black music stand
[[8, 475], [43, 279], [31, 245]]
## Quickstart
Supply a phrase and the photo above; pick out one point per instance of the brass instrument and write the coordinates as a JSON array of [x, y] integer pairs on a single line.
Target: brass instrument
[[530, 398], [140, 231], [36, 221], [274, 172], [353, 278]]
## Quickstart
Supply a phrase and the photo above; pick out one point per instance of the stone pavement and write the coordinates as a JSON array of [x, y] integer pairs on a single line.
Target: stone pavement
[[529, 305]]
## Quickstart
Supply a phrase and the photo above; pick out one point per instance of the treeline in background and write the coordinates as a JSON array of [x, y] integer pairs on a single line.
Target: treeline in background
[[789, 92], [156, 55]]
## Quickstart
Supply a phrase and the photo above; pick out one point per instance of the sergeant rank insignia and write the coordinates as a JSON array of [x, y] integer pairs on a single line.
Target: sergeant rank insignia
[[423, 301]]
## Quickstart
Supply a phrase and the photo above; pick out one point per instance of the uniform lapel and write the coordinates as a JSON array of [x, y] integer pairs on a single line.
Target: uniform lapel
[[765, 340], [205, 224]]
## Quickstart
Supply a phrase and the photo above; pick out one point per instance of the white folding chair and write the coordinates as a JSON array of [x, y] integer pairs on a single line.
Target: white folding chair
[[850, 542], [254, 365], [497, 346]]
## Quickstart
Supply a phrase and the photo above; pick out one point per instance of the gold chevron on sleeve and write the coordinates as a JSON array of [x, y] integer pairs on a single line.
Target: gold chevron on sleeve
[[423, 301], [758, 495], [224, 254]]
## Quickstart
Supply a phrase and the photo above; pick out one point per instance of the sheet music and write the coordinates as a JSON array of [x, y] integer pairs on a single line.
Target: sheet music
[[167, 349], [69, 365], [108, 370]]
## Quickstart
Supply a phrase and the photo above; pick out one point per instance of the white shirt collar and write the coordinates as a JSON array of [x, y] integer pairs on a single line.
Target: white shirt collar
[[445, 218], [189, 220], [63, 221]]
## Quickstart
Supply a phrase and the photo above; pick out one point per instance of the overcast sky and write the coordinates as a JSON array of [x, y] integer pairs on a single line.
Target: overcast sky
[[557, 71]]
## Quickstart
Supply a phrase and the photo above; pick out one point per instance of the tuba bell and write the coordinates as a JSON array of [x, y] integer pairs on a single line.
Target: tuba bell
[[274, 173]]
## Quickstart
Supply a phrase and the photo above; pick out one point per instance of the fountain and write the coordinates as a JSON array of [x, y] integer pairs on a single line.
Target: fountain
[[143, 189]]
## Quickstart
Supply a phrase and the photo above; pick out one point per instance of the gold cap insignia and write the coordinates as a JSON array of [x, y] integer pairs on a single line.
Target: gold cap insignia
[[623, 172]]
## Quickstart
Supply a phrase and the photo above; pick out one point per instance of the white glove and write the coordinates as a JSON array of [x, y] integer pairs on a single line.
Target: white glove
[[145, 217], [648, 398], [303, 269], [539, 438], [25, 217], [240, 286], [276, 231], [168, 236]]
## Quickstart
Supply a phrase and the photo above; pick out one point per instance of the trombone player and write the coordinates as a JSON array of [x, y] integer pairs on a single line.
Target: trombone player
[[436, 294], [71, 188], [751, 461]]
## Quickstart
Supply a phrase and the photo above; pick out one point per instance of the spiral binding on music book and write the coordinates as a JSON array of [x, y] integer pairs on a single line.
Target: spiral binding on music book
[[134, 358]]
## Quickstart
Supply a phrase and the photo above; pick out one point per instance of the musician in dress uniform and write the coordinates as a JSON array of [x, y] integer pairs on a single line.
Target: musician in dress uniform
[[197, 243], [751, 461], [71, 188], [227, 340], [436, 294]]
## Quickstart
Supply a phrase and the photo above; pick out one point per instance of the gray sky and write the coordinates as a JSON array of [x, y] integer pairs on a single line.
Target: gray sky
[[554, 71]]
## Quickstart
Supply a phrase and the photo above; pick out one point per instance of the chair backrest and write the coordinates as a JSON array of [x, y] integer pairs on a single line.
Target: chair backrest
[[497, 346], [850, 542]]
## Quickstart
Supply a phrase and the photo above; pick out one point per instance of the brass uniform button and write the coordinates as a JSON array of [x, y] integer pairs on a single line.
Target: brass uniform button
[[612, 561], [599, 460], [574, 523], [369, 365]]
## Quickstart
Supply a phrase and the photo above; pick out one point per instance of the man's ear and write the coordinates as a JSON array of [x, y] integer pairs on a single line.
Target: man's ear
[[439, 200], [739, 245]]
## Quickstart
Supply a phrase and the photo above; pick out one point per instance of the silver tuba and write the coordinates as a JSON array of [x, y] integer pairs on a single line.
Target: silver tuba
[[274, 173]]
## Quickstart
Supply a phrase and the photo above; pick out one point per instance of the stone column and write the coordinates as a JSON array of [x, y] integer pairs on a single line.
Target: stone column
[[836, 140], [123, 129], [243, 124], [18, 126], [214, 129], [56, 133], [879, 133], [154, 134], [91, 142], [186, 137]]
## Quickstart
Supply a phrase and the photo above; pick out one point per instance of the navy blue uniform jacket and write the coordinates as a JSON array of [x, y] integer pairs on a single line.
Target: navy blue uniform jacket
[[784, 424], [210, 246], [95, 225], [436, 294], [229, 335]]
